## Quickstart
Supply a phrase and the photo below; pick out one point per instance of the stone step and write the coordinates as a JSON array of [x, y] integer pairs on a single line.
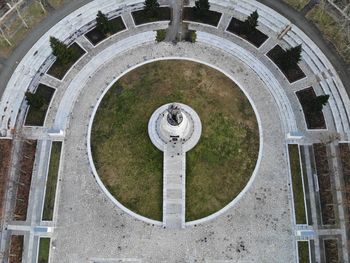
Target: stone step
[[172, 186], [171, 208], [174, 194], [174, 201], [173, 179]]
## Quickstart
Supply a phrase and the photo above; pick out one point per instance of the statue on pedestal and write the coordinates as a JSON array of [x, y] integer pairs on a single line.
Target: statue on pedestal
[[174, 115]]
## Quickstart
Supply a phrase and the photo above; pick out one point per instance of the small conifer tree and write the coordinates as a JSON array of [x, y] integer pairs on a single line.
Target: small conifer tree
[[201, 7], [63, 53], [294, 54], [34, 100], [151, 6], [160, 35], [102, 23], [317, 103], [291, 57], [251, 22], [193, 36]]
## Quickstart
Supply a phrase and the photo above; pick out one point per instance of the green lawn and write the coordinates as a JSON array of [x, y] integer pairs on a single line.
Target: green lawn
[[44, 250], [303, 249], [217, 168], [297, 183], [52, 181]]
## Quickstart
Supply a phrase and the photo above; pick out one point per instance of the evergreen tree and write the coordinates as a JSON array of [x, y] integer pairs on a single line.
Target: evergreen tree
[[294, 54], [102, 23], [316, 104], [161, 33], [291, 57], [201, 7], [193, 36], [63, 53], [151, 6], [34, 100], [251, 22]]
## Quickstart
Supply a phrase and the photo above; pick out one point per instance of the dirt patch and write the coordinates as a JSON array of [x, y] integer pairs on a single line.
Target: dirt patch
[[255, 37], [5, 161], [325, 186], [210, 17], [331, 250], [59, 70], [35, 116], [142, 17], [16, 249], [344, 149], [277, 55], [314, 120], [95, 36], [26, 163]]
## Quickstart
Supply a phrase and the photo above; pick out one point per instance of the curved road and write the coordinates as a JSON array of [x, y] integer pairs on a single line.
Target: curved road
[[294, 16]]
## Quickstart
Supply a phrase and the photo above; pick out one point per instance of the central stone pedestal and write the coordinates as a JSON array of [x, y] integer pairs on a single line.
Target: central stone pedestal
[[174, 129]]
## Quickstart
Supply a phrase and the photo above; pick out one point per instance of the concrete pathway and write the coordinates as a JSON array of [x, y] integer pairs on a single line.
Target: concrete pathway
[[85, 211], [174, 186], [175, 28]]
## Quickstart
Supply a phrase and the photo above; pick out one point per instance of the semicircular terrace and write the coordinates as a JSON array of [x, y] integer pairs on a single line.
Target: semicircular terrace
[[319, 71], [270, 93]]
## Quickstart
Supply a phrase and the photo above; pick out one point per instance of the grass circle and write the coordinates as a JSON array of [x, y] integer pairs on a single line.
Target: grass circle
[[131, 167]]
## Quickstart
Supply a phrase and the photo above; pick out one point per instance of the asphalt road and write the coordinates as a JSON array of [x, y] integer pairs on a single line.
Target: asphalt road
[[294, 16]]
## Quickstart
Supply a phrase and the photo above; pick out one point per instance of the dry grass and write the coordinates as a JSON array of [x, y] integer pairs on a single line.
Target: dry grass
[[16, 31], [57, 3], [297, 4], [217, 168], [5, 162], [16, 249], [332, 30]]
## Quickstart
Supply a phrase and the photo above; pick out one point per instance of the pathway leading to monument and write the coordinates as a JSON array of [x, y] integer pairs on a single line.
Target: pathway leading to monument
[[174, 129], [174, 185]]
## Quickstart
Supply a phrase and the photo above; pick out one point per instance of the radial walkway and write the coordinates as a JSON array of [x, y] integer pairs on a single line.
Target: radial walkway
[[174, 186]]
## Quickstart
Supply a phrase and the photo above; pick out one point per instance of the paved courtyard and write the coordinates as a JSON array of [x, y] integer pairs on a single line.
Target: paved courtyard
[[258, 226], [257, 221]]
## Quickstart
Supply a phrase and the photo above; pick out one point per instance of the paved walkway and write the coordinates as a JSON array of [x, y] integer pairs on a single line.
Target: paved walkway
[[174, 186], [254, 219]]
